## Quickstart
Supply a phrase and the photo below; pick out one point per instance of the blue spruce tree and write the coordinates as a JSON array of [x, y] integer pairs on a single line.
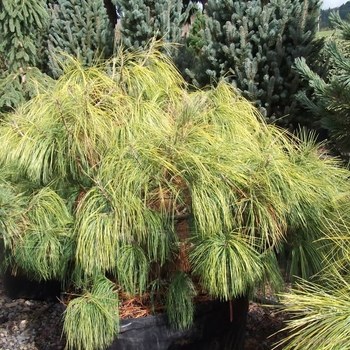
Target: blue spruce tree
[[253, 45], [80, 28]]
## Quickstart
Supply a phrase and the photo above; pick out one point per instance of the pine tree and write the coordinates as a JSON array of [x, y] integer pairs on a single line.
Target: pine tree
[[253, 45], [130, 183], [330, 100], [79, 28], [22, 28], [143, 20], [189, 53]]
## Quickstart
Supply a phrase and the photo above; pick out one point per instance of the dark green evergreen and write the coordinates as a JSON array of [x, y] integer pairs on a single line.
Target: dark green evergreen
[[22, 28], [330, 102], [81, 28], [143, 20], [253, 45], [195, 41], [343, 10]]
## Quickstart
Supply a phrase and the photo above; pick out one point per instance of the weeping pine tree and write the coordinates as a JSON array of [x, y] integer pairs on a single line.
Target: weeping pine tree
[[120, 182]]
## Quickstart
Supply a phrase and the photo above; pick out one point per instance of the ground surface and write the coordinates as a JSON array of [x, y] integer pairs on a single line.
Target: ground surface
[[36, 325], [326, 33], [262, 324]]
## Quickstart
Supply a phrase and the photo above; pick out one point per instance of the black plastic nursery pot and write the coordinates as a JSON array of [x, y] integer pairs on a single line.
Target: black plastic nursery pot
[[217, 326], [19, 285]]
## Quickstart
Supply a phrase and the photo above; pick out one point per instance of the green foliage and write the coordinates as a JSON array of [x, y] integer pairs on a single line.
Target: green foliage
[[105, 165], [46, 246], [92, 320], [11, 207], [195, 41], [227, 265], [22, 28], [322, 316], [79, 28], [253, 45], [144, 20], [330, 99], [21, 23], [271, 275], [180, 301], [132, 269], [321, 310], [305, 229], [39, 236], [18, 88]]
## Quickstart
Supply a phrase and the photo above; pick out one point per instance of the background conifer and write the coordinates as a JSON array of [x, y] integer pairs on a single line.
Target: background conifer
[[22, 28], [79, 28], [253, 45]]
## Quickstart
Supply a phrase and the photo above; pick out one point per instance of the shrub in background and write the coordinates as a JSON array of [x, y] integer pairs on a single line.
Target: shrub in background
[[253, 45], [79, 28], [329, 102], [22, 30]]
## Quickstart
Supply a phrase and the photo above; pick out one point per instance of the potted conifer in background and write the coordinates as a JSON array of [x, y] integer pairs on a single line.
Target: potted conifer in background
[[124, 184], [320, 307]]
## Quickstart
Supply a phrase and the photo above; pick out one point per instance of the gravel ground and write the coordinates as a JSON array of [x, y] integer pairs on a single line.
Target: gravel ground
[[30, 324]]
